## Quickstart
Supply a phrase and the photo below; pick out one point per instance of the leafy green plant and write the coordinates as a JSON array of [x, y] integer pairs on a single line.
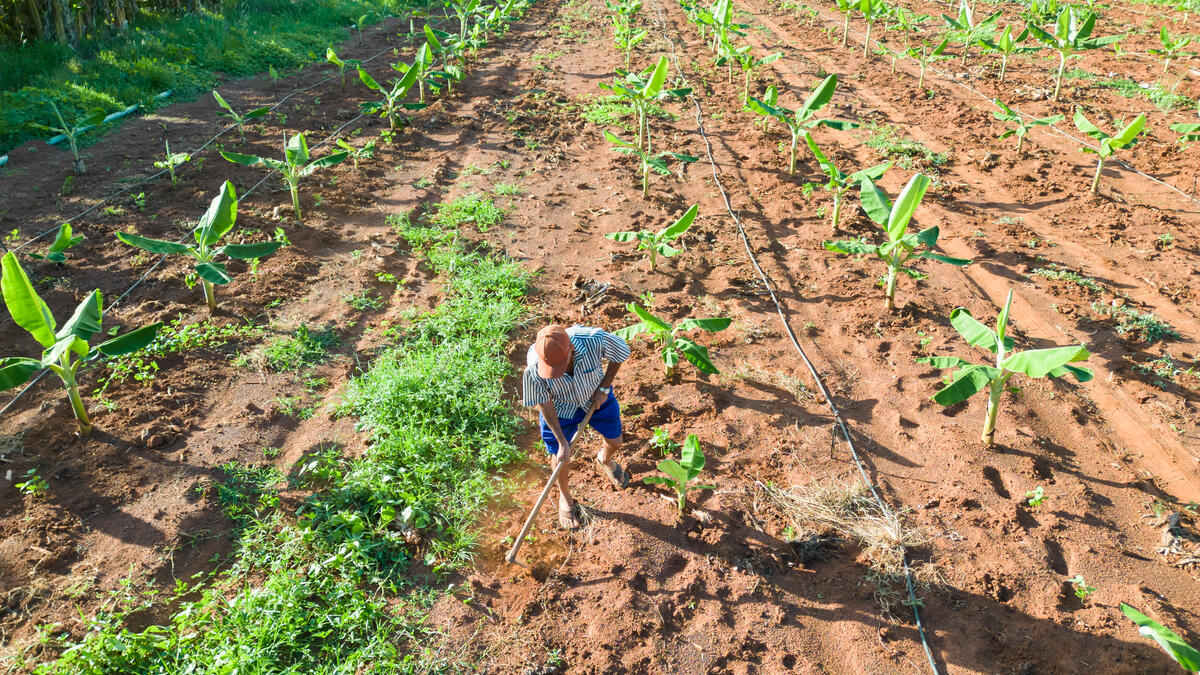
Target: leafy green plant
[[62, 241], [1124, 138], [658, 243], [770, 99], [661, 441], [332, 57], [238, 120], [1020, 125], [642, 90], [34, 485], [648, 161], [971, 378], [1172, 47], [171, 160], [846, 7], [367, 151], [872, 10], [393, 99], [1082, 590], [671, 346], [839, 184], [297, 163], [1183, 653], [1006, 45], [1036, 496], [900, 246], [1071, 34], [216, 221], [744, 56], [681, 474], [1189, 132], [925, 56], [803, 118], [625, 37], [965, 29], [65, 348], [72, 132]]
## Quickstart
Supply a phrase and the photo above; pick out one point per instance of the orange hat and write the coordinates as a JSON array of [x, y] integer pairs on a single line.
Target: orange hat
[[553, 349]]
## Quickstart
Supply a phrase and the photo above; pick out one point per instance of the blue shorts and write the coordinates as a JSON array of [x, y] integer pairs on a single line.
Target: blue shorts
[[606, 420]]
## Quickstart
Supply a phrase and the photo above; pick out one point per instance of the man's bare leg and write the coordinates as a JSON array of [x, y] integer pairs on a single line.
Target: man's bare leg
[[566, 504], [609, 451]]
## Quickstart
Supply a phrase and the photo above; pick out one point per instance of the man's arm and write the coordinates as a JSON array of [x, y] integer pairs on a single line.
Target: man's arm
[[610, 375]]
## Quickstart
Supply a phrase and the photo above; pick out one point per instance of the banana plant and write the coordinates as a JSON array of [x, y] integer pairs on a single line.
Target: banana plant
[[463, 11], [422, 62], [971, 377], [672, 347], [1183, 653], [745, 58], [296, 164], [1071, 34], [900, 246], [1124, 138], [626, 38], [72, 132], [648, 161], [846, 7], [393, 99], [367, 151], [1006, 45], [681, 474], [840, 183], [803, 118], [872, 10], [925, 56], [332, 57], [1021, 126], [658, 243], [770, 99], [1189, 132], [641, 90], [238, 120], [1172, 47], [172, 160], [65, 349], [62, 241], [965, 29], [214, 224]]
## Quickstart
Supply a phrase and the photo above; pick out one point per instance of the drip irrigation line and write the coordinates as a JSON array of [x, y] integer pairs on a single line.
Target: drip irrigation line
[[839, 421], [946, 75], [197, 151]]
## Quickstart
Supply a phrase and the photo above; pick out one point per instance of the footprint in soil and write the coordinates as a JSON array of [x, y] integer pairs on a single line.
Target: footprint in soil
[[993, 477], [1054, 557]]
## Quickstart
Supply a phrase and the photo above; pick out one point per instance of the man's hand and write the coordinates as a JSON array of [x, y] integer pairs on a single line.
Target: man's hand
[[598, 399], [564, 450]]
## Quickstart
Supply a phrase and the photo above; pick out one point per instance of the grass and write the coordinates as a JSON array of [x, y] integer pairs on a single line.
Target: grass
[[889, 142], [607, 111], [1162, 98], [187, 53], [327, 589], [1057, 272], [470, 208], [304, 348], [1147, 327]]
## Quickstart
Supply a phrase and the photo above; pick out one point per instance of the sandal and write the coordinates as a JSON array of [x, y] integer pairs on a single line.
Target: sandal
[[565, 517], [618, 475]]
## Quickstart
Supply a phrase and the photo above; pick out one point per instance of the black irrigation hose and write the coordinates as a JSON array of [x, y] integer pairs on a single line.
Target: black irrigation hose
[[837, 415]]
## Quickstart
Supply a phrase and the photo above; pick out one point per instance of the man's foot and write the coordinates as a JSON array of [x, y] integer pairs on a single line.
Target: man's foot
[[567, 518], [617, 475]]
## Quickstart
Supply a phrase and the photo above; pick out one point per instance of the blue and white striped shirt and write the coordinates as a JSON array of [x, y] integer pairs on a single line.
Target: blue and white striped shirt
[[574, 392]]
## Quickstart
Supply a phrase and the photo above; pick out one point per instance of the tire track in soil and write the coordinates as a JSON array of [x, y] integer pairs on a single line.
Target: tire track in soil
[[1166, 457]]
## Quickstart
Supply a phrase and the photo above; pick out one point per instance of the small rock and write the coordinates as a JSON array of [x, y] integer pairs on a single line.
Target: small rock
[[158, 440]]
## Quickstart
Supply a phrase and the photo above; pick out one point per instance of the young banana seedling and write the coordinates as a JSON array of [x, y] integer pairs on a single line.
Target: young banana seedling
[[423, 63], [925, 56], [73, 131], [172, 160], [648, 161], [1071, 34], [846, 7], [672, 348], [641, 90], [393, 99], [1021, 126], [1183, 653], [238, 120], [62, 241], [1172, 47], [296, 164], [658, 243], [332, 57], [872, 11], [1124, 138], [214, 224], [900, 246], [969, 32], [65, 349], [681, 474], [840, 184], [745, 58], [803, 118], [367, 151], [971, 377], [1189, 132], [1006, 45]]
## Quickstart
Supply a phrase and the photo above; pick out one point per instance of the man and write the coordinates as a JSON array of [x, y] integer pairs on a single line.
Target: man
[[563, 379]]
